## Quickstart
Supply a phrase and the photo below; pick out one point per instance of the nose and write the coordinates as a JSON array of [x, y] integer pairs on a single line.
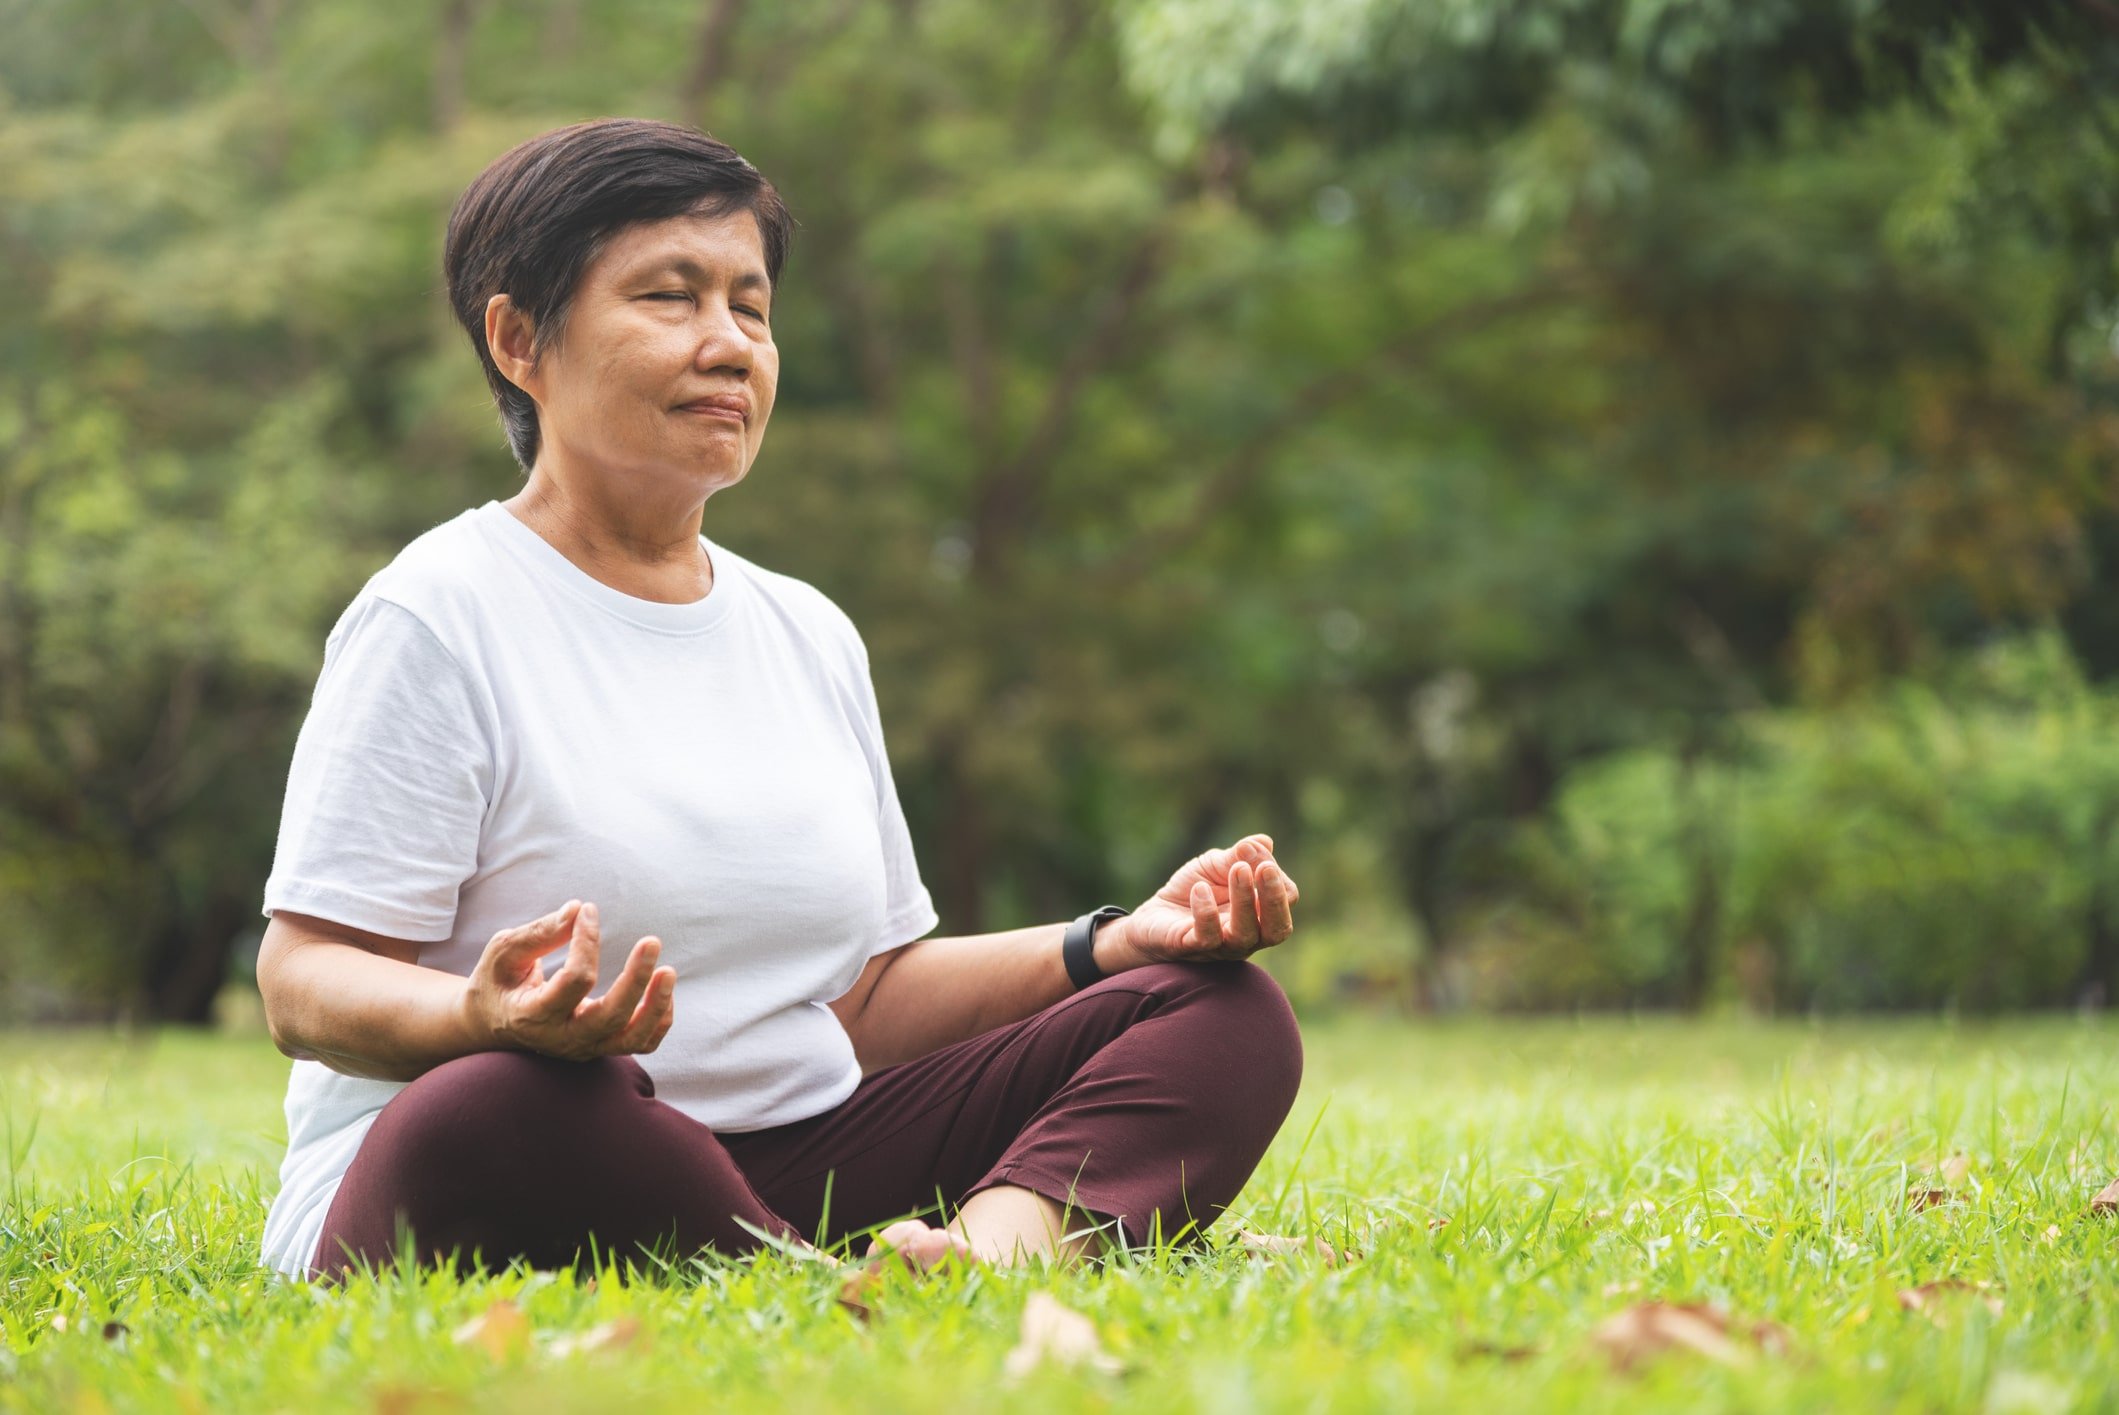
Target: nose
[[723, 345]]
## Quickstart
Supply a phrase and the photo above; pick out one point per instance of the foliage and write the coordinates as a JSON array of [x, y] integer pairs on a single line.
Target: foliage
[[1336, 419], [1509, 1189], [1952, 844]]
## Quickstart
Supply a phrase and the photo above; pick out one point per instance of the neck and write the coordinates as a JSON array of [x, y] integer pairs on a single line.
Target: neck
[[641, 548]]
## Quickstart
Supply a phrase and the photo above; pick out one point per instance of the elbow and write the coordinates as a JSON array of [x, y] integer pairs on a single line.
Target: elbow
[[272, 993], [280, 1038]]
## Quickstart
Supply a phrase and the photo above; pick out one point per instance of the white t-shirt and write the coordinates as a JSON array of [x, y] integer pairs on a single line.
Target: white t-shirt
[[495, 732]]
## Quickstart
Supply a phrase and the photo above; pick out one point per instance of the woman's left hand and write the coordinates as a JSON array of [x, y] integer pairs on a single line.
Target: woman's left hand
[[1223, 906]]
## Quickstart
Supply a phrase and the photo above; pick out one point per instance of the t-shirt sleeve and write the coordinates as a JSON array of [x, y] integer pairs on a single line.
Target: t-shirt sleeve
[[908, 910], [389, 784]]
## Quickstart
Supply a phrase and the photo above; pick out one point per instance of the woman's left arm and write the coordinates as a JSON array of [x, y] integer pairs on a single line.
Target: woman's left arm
[[1223, 905]]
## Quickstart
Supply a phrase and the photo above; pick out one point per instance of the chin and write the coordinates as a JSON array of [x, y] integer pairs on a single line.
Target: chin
[[712, 474]]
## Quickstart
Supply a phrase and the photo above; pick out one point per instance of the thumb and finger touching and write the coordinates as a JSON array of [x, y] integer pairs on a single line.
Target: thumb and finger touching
[[575, 977], [1260, 900], [514, 954]]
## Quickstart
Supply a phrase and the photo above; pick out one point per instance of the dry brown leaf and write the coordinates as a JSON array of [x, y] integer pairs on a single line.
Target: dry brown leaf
[[1927, 1297], [1649, 1329], [413, 1400], [618, 1334], [857, 1292], [1437, 1223], [501, 1331], [1953, 1170], [396, 1400], [1274, 1245], [1510, 1355], [1056, 1335], [1773, 1338], [2107, 1200], [1919, 1197]]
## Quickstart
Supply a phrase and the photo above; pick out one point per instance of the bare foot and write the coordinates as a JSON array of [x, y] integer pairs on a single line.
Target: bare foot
[[919, 1246]]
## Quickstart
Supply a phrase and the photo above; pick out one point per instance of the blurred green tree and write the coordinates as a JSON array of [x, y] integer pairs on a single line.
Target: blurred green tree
[[1832, 390], [1195, 405]]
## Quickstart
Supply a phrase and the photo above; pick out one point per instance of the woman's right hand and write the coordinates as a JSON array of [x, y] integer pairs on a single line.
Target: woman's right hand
[[510, 1002]]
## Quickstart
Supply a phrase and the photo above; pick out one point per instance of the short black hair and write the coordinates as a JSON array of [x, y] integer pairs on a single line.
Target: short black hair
[[534, 220]]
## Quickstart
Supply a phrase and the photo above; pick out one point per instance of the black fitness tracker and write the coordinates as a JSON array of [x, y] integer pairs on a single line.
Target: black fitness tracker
[[1078, 948]]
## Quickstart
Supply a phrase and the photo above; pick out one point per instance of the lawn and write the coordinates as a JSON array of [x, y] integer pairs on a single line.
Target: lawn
[[1504, 1189]]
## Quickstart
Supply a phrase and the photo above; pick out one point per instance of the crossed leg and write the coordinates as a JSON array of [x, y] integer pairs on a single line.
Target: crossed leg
[[1143, 1102]]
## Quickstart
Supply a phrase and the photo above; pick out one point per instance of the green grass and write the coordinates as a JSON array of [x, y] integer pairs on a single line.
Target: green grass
[[1581, 1168]]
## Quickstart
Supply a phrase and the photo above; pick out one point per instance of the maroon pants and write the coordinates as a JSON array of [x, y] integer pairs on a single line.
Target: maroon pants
[[1147, 1098]]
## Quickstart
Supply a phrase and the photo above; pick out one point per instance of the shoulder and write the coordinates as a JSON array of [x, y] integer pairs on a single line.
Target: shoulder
[[437, 582], [802, 607]]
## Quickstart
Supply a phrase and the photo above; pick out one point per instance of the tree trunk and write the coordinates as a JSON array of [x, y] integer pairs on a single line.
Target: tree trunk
[[451, 55], [188, 961], [711, 56], [1703, 913], [2098, 986], [962, 830]]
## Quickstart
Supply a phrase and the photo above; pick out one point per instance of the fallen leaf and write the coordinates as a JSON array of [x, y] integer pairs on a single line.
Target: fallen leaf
[[1918, 1198], [501, 1331], [1436, 1223], [1511, 1355], [619, 1334], [1052, 1334], [1954, 1169], [1649, 1329], [397, 1400], [857, 1292], [1926, 1297], [1274, 1245], [116, 1331], [2107, 1200], [1773, 1338], [2052, 1233]]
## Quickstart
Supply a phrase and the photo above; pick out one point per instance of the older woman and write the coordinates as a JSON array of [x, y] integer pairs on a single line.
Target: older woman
[[568, 720]]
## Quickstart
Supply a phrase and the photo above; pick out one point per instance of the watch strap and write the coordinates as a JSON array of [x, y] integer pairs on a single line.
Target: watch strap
[[1078, 946]]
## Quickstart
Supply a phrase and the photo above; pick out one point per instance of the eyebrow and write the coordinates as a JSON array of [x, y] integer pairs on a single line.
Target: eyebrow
[[693, 270]]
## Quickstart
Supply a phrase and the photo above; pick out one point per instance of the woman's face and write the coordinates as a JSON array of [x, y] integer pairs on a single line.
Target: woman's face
[[662, 377]]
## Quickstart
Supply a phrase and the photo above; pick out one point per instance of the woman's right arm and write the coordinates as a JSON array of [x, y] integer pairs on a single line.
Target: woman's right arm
[[360, 1004]]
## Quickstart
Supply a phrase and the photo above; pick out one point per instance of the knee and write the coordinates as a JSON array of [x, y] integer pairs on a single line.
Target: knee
[[1244, 1003], [506, 1078], [467, 1105]]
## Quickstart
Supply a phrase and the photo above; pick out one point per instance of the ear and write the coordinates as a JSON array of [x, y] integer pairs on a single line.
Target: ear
[[511, 339]]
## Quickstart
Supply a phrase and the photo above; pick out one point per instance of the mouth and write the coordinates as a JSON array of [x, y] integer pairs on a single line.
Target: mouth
[[722, 407]]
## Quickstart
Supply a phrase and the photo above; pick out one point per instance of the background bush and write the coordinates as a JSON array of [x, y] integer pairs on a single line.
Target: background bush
[[1945, 843]]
